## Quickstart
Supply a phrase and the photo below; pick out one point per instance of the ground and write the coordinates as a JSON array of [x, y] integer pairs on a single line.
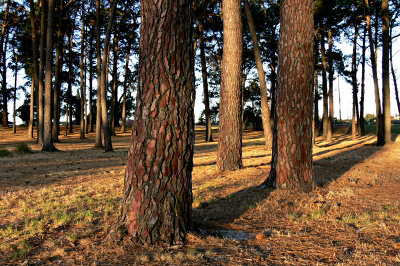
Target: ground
[[59, 207]]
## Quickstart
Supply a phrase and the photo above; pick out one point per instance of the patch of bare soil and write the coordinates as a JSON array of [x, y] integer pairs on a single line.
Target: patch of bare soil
[[58, 207]]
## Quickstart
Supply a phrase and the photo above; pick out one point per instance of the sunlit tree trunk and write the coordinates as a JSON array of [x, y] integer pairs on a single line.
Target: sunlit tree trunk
[[325, 116], [361, 117], [156, 206], [82, 76], [379, 118], [103, 82], [330, 92], [265, 114], [41, 70], [396, 90], [316, 95], [354, 83], [47, 136], [229, 156], [35, 75], [292, 165], [206, 100], [387, 121], [98, 70]]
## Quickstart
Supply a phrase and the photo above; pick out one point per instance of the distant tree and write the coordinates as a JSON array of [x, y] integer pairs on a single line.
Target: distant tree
[[229, 156], [292, 165], [156, 207], [387, 121]]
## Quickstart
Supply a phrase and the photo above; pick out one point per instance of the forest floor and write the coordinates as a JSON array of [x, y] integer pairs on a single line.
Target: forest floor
[[56, 208]]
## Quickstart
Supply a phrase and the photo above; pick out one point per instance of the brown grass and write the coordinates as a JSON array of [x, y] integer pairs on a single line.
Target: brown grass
[[58, 207]]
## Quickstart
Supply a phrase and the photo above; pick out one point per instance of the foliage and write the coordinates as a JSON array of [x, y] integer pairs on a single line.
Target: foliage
[[22, 148], [4, 152]]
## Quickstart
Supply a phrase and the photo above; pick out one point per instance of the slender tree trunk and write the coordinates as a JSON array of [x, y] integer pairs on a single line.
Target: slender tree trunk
[[126, 83], [82, 67], [361, 117], [396, 90], [85, 88], [15, 91], [229, 155], [35, 76], [387, 121], [265, 114], [57, 81], [273, 67], [206, 100], [69, 90], [340, 104], [316, 91], [330, 92], [158, 183], [3, 59], [379, 118], [114, 98], [325, 117], [41, 71], [292, 165], [31, 111], [48, 142], [354, 83], [91, 129], [103, 82], [98, 56]]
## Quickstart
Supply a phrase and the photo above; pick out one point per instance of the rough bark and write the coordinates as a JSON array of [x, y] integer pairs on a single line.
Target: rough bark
[[229, 156], [206, 100], [103, 82], [47, 136], [265, 114], [82, 76], [354, 83], [157, 201], [292, 165], [98, 143], [379, 118], [330, 92], [325, 116], [387, 121]]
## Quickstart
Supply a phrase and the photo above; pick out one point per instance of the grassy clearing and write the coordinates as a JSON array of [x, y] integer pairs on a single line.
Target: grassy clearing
[[371, 129]]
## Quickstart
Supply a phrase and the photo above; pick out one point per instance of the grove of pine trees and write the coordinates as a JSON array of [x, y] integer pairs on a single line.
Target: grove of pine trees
[[260, 62]]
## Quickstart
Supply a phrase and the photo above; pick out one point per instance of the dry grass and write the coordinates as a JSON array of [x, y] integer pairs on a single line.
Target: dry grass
[[58, 207]]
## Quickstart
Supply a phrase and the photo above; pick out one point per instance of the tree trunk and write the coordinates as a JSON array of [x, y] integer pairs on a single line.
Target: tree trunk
[[123, 129], [379, 118], [114, 98], [103, 82], [396, 90], [91, 129], [292, 165], [35, 76], [48, 142], [229, 155], [69, 90], [387, 121], [206, 100], [41, 72], [361, 117], [98, 56], [265, 114], [82, 67], [316, 92], [354, 83], [325, 116], [330, 92], [15, 90], [158, 183], [3, 59], [57, 81]]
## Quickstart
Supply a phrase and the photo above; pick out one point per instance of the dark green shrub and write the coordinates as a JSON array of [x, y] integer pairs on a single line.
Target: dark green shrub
[[22, 148]]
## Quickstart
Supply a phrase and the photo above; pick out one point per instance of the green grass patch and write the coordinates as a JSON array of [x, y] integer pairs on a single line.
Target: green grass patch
[[4, 152], [318, 213], [371, 129], [22, 148]]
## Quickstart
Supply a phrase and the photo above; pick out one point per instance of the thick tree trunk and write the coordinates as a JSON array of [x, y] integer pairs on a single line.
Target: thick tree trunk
[[379, 118], [330, 92], [387, 121], [229, 155], [354, 83], [361, 117], [103, 82], [35, 76], [157, 200], [325, 116], [82, 76], [206, 100], [47, 136], [265, 114], [98, 143], [292, 165]]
